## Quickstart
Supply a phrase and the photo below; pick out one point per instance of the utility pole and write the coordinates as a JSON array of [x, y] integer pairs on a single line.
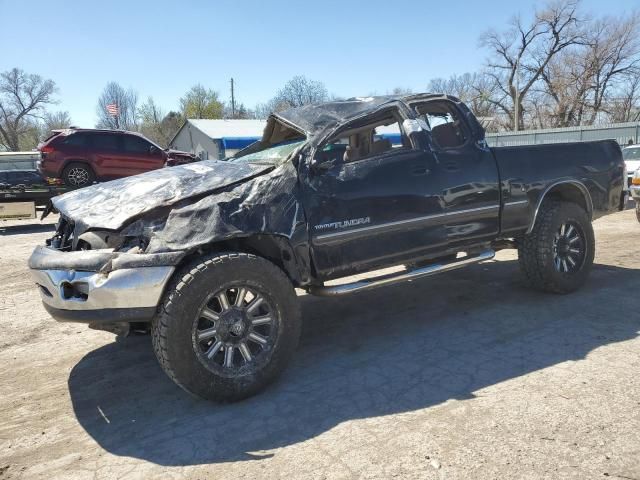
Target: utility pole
[[233, 101], [516, 107]]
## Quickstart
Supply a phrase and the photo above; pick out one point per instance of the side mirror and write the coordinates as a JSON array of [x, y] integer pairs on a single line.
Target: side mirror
[[152, 150]]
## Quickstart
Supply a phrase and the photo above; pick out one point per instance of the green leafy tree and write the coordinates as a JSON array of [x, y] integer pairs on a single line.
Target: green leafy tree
[[156, 125], [200, 102]]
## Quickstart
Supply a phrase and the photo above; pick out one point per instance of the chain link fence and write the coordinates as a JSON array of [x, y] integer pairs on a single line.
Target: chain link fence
[[623, 133]]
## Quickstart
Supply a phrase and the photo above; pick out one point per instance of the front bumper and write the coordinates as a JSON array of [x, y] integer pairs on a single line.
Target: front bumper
[[635, 192], [74, 287]]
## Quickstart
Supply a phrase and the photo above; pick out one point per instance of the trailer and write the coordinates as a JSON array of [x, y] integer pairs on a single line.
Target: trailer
[[21, 202]]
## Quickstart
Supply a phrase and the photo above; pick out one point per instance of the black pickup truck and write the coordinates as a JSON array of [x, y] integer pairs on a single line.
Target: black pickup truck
[[209, 254]]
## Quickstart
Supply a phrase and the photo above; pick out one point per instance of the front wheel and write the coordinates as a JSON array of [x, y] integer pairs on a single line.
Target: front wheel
[[227, 327], [557, 255]]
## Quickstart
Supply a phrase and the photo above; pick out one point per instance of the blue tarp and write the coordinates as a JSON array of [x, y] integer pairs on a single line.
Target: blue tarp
[[237, 143]]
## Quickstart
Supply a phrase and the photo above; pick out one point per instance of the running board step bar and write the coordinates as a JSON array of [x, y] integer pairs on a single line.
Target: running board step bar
[[402, 276]]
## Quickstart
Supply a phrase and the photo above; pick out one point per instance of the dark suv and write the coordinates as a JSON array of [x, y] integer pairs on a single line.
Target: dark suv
[[82, 156], [21, 178]]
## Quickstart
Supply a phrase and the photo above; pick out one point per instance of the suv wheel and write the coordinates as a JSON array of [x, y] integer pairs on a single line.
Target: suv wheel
[[227, 327], [78, 175], [558, 254]]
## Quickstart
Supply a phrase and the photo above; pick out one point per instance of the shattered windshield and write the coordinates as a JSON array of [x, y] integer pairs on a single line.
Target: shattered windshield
[[274, 155], [631, 153]]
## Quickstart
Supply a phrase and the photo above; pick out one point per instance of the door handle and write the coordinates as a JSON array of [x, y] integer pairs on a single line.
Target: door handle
[[420, 171], [451, 167]]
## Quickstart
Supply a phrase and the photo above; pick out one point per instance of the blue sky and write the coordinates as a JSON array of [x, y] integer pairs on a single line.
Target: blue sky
[[161, 48]]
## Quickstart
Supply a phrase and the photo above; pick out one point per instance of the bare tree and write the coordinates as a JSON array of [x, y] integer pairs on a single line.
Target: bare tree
[[520, 54], [55, 121], [296, 92], [581, 81], [625, 107], [241, 111], [299, 91], [474, 89], [23, 97], [615, 55], [401, 91], [126, 103]]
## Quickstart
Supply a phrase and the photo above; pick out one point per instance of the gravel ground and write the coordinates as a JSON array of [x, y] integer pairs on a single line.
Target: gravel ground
[[465, 375]]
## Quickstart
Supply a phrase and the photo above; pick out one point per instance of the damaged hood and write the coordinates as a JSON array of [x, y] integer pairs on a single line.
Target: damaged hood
[[111, 205]]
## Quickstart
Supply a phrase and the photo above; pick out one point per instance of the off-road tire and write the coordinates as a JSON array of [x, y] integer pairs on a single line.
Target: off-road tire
[[172, 326], [70, 177], [536, 250]]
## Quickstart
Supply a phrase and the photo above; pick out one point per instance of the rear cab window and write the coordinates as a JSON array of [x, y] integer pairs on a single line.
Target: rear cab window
[[373, 137], [448, 130]]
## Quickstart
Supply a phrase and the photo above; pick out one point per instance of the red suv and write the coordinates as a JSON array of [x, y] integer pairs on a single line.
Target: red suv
[[82, 156]]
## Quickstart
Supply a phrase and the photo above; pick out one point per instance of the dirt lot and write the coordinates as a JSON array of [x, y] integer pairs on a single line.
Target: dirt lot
[[467, 375]]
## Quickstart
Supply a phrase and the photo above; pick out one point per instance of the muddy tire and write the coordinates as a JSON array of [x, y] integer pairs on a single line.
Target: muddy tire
[[227, 326], [557, 255], [78, 175]]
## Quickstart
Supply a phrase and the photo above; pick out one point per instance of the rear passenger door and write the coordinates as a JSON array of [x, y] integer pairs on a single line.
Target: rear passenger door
[[106, 150], [466, 171], [141, 155]]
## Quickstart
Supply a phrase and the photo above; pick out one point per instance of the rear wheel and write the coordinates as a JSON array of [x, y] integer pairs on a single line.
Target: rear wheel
[[78, 175], [227, 327], [557, 255]]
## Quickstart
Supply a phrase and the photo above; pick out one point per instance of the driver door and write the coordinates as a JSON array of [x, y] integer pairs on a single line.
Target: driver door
[[371, 199]]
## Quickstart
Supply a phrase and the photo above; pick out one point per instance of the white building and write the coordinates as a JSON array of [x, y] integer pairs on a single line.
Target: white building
[[217, 139]]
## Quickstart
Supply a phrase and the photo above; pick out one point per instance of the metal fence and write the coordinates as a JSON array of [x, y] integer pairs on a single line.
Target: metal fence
[[623, 133]]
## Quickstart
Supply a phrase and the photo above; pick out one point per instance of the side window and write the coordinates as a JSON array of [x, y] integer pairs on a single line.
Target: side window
[[375, 137], [134, 144], [105, 142], [447, 129], [75, 140]]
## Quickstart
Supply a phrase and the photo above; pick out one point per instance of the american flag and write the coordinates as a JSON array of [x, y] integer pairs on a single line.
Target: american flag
[[113, 110]]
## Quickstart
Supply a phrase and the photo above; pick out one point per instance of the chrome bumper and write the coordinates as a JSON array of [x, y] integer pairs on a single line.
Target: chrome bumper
[[72, 294]]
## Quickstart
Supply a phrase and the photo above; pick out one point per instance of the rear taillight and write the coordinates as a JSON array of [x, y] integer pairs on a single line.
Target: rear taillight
[[47, 149]]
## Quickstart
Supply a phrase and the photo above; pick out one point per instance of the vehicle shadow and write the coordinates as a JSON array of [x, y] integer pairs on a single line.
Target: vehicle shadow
[[375, 353], [27, 228]]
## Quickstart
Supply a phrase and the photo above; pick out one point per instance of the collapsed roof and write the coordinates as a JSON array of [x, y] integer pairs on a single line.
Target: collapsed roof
[[317, 118]]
